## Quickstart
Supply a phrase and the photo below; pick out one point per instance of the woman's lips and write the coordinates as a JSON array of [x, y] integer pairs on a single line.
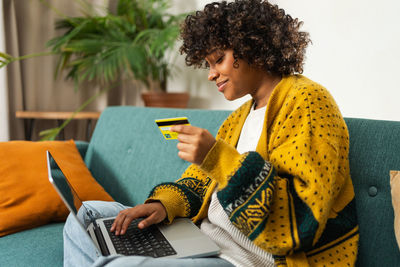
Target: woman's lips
[[221, 85]]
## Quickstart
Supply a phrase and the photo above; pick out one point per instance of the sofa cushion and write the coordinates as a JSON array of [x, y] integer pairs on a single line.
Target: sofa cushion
[[41, 246], [374, 151], [27, 199], [128, 155]]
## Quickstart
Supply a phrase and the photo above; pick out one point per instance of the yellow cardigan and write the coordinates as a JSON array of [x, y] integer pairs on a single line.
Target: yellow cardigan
[[293, 196]]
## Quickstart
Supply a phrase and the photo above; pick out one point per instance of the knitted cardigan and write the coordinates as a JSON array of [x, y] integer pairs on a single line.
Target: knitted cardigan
[[293, 196]]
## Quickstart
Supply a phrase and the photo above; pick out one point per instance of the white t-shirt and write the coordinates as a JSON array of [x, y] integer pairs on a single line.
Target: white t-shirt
[[251, 130], [237, 248]]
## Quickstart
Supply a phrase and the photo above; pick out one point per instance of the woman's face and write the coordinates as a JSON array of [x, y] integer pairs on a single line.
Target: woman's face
[[233, 82]]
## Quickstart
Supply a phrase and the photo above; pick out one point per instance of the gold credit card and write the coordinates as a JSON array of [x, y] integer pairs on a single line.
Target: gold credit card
[[165, 126]]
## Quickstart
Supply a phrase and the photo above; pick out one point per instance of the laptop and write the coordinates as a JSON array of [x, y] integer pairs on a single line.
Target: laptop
[[181, 239]]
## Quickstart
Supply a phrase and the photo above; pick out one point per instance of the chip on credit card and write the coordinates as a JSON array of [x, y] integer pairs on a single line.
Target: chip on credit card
[[165, 126]]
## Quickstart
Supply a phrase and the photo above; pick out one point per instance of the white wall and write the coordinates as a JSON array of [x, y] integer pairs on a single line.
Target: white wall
[[4, 129], [354, 55], [203, 94]]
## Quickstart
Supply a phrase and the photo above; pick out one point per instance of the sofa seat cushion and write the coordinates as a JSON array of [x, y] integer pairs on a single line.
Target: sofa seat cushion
[[41, 246]]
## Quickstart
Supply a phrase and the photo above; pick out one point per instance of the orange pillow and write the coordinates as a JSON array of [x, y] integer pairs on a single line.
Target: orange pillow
[[27, 199], [395, 192]]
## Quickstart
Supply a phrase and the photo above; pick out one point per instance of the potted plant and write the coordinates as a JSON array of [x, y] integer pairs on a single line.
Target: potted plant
[[135, 42]]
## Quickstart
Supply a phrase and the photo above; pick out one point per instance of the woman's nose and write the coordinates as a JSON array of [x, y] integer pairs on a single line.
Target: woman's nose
[[212, 74]]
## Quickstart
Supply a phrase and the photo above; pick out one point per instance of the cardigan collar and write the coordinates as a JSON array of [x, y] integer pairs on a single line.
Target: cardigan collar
[[274, 104]]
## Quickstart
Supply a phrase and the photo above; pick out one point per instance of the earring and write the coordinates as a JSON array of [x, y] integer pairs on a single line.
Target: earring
[[236, 63]]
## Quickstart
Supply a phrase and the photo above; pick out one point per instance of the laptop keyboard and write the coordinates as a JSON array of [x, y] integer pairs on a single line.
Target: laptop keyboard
[[141, 242]]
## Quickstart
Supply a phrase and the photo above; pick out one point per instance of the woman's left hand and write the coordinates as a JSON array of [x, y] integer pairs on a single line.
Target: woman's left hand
[[194, 143]]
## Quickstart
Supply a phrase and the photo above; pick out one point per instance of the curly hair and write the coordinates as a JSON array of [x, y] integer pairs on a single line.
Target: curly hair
[[258, 32]]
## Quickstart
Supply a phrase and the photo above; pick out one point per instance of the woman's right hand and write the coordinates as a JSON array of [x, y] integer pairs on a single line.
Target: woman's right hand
[[151, 212]]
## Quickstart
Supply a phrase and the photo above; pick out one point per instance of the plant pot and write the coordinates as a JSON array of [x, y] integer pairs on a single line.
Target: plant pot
[[166, 100]]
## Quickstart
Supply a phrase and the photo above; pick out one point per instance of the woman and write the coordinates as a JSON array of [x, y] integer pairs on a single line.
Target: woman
[[273, 187]]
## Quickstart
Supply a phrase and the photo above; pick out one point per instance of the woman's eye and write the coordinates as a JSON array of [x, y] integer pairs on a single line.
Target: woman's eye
[[219, 60]]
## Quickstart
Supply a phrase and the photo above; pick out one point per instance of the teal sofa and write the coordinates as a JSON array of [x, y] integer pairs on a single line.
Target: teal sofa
[[128, 156]]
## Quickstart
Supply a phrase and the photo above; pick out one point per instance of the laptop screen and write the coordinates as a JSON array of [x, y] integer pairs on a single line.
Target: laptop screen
[[66, 190]]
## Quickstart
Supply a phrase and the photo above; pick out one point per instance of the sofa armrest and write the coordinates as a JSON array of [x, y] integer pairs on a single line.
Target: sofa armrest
[[82, 147]]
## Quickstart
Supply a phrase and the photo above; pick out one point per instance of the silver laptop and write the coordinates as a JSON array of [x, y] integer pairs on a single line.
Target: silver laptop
[[181, 239]]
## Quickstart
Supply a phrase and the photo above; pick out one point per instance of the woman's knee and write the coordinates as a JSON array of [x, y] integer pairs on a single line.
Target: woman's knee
[[71, 225], [91, 210]]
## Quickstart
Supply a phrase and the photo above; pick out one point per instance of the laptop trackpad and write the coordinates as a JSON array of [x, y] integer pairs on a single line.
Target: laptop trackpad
[[181, 228], [188, 240]]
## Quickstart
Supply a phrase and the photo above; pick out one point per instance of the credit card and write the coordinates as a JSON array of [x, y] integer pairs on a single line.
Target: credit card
[[165, 126]]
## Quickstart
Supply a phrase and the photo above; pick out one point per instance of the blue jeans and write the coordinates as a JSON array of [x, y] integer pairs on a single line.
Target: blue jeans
[[79, 249]]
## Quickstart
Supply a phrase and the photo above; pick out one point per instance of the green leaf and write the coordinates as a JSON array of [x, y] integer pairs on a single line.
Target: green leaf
[[6, 56], [49, 134], [102, 48]]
